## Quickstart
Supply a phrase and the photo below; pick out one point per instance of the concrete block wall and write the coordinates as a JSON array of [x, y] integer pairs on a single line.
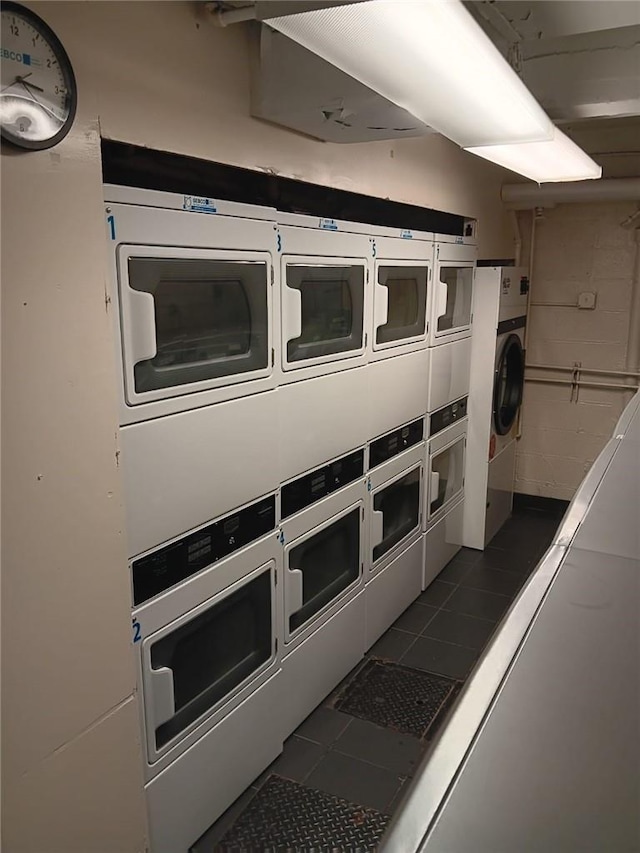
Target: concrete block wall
[[577, 247]]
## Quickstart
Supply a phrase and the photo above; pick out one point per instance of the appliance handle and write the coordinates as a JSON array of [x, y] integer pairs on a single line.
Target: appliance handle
[[433, 486], [377, 527], [381, 307], [140, 327], [294, 590], [442, 291], [163, 701], [292, 312]]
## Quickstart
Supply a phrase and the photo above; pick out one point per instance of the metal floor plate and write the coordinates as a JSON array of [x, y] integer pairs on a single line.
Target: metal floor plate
[[286, 816], [396, 697]]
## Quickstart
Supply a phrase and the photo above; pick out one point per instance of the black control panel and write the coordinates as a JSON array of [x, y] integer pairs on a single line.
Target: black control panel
[[308, 489], [447, 415], [395, 442], [176, 562]]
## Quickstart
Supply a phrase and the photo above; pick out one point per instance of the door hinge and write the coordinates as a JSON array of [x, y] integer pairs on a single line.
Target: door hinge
[[273, 356], [366, 338], [273, 277], [363, 513], [276, 645]]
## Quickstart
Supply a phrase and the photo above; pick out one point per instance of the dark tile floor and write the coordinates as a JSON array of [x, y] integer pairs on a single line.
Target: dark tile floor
[[365, 765]]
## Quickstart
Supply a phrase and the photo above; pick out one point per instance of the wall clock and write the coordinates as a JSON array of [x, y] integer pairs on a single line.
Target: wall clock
[[38, 94]]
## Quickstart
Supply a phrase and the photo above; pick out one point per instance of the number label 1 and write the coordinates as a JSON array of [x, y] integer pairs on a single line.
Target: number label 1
[[112, 226], [137, 636]]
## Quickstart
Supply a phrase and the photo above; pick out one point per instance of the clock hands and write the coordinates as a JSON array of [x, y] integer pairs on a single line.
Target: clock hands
[[23, 80]]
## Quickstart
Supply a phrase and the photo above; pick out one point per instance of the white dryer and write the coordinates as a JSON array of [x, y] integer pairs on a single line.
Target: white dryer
[[323, 531], [395, 485], [397, 372], [207, 629], [451, 319], [497, 382], [444, 487], [325, 298]]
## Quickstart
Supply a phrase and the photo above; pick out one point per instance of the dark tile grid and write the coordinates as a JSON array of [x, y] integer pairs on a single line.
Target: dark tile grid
[[442, 632]]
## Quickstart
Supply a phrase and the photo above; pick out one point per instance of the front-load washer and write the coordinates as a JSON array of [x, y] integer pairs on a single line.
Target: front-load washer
[[324, 572], [191, 285], [497, 383], [444, 487], [207, 629], [451, 313], [394, 578]]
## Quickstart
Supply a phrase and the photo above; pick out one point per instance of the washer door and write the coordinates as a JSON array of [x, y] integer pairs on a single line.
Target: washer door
[[508, 385]]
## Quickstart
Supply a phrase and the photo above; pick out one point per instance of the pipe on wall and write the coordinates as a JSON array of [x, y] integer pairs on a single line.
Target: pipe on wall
[[632, 361], [526, 196]]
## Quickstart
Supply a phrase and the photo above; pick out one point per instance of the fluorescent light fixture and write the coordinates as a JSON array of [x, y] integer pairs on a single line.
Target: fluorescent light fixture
[[430, 57], [558, 159]]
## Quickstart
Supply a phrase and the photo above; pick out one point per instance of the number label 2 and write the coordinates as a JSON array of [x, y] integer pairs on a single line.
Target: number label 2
[[137, 630]]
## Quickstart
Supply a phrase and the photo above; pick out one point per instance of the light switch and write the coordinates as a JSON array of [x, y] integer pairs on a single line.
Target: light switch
[[587, 299]]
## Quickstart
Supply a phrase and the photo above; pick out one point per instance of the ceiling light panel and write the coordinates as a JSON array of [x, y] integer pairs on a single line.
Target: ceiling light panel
[[558, 159], [431, 58]]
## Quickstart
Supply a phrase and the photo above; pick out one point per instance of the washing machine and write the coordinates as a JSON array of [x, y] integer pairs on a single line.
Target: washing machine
[[207, 632], [497, 382], [394, 505], [444, 487], [323, 533]]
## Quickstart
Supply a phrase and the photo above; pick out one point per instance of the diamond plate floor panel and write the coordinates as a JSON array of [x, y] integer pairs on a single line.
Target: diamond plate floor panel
[[396, 697], [286, 816]]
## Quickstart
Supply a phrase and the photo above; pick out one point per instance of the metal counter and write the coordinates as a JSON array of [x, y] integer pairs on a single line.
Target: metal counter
[[542, 752]]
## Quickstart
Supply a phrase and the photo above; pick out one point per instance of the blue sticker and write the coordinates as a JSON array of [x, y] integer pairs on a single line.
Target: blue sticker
[[459, 240], [329, 224], [199, 205], [406, 234]]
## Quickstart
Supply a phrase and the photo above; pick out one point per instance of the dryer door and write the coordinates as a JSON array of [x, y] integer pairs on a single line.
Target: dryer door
[[508, 384], [192, 319], [400, 308]]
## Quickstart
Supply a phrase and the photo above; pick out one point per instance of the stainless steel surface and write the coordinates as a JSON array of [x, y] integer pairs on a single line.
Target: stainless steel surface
[[555, 767], [430, 786], [542, 752], [612, 523]]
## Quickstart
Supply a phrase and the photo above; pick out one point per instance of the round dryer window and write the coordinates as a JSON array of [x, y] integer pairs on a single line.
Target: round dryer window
[[508, 385]]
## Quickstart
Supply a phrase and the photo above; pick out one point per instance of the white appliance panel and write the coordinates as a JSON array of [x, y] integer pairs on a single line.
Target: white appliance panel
[[401, 290], [400, 482], [445, 471], [452, 293], [319, 419], [442, 542], [396, 391], [161, 324], [502, 471], [334, 529], [312, 670], [449, 373], [392, 590], [192, 792], [185, 469]]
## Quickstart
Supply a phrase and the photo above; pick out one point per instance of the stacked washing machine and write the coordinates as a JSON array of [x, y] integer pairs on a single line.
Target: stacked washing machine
[[497, 375], [193, 288], [293, 393], [447, 422]]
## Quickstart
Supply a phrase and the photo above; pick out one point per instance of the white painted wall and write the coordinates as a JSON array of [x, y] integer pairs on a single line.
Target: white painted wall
[[578, 247], [154, 74]]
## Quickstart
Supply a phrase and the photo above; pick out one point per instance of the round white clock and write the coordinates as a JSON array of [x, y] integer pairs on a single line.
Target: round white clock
[[38, 93]]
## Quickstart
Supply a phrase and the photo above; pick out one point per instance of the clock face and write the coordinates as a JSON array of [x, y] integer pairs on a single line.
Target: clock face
[[37, 89]]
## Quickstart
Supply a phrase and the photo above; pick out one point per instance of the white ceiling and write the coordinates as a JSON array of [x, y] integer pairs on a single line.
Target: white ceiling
[[580, 58]]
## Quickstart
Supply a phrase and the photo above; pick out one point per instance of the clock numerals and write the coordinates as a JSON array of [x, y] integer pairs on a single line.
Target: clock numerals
[[14, 29]]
